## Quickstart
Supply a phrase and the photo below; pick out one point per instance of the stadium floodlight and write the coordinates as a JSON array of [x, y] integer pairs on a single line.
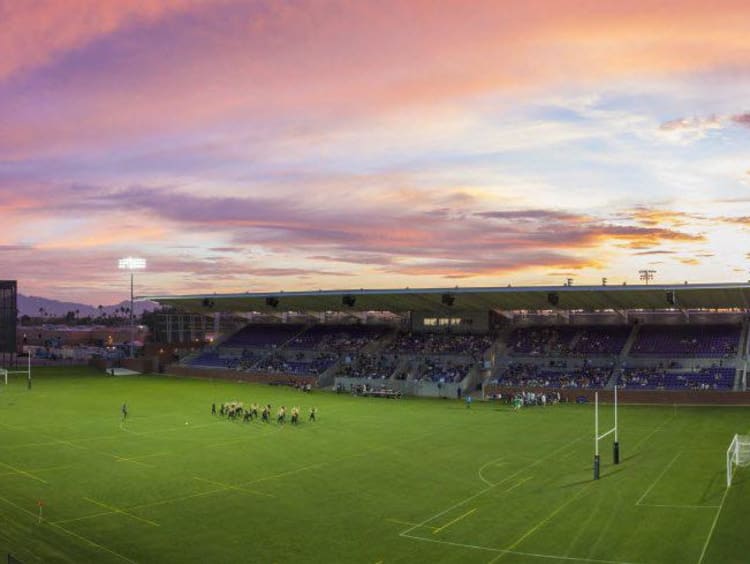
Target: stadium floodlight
[[646, 275], [132, 264]]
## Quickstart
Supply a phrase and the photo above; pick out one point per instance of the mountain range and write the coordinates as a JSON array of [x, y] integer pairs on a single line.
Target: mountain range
[[31, 306]]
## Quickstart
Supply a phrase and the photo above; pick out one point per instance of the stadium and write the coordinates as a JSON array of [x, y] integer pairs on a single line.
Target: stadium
[[374, 281], [435, 425]]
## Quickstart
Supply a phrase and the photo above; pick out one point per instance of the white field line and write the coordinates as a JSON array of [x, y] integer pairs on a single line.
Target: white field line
[[92, 543], [659, 477], [713, 526], [24, 473], [652, 433], [543, 522], [407, 523], [679, 506], [456, 520], [495, 462], [514, 552], [231, 487], [70, 533], [45, 469], [114, 509], [488, 488], [228, 487]]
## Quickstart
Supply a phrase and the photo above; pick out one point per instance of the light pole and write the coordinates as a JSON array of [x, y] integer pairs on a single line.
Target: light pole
[[646, 275], [132, 264]]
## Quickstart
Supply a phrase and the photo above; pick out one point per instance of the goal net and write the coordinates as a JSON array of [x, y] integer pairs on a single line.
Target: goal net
[[738, 454]]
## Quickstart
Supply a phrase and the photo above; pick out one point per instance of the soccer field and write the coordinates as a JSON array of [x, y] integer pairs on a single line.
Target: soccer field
[[373, 480]]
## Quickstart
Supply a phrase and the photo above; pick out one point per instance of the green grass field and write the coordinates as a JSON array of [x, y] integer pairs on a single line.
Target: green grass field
[[372, 481]]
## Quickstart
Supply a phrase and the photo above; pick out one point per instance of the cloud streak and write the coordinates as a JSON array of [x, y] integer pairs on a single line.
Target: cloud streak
[[246, 143]]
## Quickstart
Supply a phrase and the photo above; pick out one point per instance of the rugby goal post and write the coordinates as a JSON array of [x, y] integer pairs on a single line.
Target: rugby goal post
[[597, 437], [738, 454]]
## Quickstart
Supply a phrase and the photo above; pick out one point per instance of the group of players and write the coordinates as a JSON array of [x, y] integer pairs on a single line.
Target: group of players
[[235, 409]]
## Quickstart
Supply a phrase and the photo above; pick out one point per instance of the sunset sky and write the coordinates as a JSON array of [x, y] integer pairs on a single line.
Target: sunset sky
[[350, 144]]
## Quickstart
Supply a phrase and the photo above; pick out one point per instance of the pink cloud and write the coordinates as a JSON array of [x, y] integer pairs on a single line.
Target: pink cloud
[[38, 33], [171, 67]]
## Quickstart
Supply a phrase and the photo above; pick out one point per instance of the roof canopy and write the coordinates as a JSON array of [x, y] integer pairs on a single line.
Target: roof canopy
[[445, 300]]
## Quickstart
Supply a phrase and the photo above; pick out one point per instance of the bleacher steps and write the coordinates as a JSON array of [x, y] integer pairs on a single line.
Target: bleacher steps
[[630, 342]]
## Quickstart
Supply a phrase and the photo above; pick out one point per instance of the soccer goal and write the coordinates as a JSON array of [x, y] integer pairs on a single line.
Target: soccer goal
[[738, 454], [598, 437], [4, 372]]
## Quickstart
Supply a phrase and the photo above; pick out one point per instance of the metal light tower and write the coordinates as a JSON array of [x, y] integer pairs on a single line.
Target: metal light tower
[[132, 264], [646, 275]]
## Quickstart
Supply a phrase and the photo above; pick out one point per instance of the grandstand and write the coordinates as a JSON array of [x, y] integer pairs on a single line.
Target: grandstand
[[449, 342]]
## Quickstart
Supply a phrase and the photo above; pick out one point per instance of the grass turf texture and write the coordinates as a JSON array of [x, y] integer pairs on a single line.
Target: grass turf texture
[[372, 481]]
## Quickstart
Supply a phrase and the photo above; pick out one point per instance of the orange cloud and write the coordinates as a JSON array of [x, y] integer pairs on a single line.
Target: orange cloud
[[656, 216]]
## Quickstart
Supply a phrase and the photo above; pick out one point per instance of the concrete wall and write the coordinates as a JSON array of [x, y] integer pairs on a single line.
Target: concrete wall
[[235, 375], [406, 387]]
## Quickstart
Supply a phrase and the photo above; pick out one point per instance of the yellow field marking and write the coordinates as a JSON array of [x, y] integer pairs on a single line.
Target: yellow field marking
[[58, 441], [80, 447], [225, 489], [231, 487], [409, 524], [68, 532], [83, 518], [490, 488], [135, 458], [45, 469], [121, 511], [541, 523], [245, 439], [514, 552], [116, 457], [178, 498], [456, 520], [283, 474], [68, 443], [521, 481], [170, 429], [24, 473]]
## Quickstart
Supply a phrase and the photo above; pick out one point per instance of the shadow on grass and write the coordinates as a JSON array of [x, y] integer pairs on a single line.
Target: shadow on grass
[[602, 476]]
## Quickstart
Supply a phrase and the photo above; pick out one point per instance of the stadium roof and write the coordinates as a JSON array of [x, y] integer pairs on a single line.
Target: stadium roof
[[445, 300]]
